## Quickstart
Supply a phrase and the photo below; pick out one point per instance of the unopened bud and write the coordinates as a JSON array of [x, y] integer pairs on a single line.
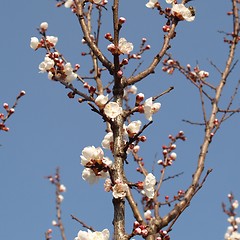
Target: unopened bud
[[122, 20]]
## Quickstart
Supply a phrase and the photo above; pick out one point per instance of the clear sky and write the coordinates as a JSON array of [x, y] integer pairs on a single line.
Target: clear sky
[[50, 130]]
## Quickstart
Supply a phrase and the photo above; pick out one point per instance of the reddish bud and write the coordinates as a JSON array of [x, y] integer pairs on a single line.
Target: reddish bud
[[141, 109], [166, 28], [108, 36], [120, 73], [6, 106], [122, 20], [136, 224]]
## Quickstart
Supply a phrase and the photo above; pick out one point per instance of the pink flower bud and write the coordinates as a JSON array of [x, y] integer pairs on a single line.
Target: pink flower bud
[[136, 224], [6, 106], [122, 20], [144, 232], [147, 47], [165, 152], [22, 93], [108, 36], [11, 110], [139, 98], [120, 73], [137, 231], [125, 61], [166, 28]]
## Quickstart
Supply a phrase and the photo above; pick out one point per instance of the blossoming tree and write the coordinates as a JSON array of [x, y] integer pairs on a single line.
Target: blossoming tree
[[110, 100]]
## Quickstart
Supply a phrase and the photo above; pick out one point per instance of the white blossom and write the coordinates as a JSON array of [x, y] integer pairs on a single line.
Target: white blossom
[[151, 3], [235, 204], [34, 43], [148, 214], [203, 74], [101, 100], [119, 189], [150, 108], [62, 188], [60, 198], [134, 127], [91, 153], [89, 176], [90, 156], [44, 25], [112, 110], [170, 1], [182, 12], [132, 89], [68, 70], [46, 65], [68, 3], [107, 140], [124, 46], [148, 185], [89, 235], [53, 40]]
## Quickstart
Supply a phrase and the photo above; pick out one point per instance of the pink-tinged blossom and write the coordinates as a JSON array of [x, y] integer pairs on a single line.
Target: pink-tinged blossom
[[151, 3], [150, 108], [182, 12], [119, 189], [112, 110], [124, 46], [89, 235], [34, 43], [46, 65], [148, 185], [101, 100], [133, 128]]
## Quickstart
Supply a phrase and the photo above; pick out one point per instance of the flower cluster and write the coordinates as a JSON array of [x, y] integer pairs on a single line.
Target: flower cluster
[[195, 74], [140, 229], [96, 165], [89, 235], [179, 11], [148, 107], [56, 67], [9, 111], [232, 232]]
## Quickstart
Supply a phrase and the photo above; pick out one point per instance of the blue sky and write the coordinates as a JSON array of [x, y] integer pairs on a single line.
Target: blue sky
[[50, 130]]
